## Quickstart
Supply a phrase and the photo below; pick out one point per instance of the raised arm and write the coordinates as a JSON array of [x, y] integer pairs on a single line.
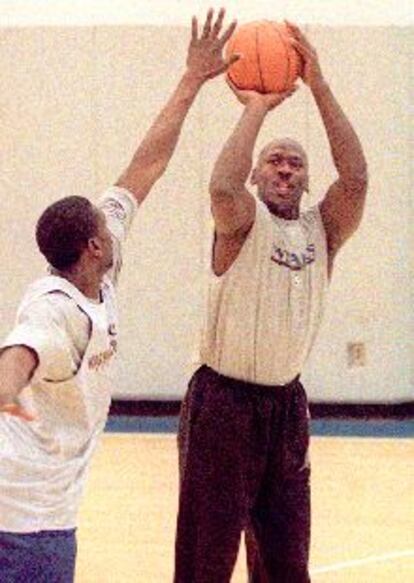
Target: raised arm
[[343, 204], [232, 205], [17, 364], [204, 61]]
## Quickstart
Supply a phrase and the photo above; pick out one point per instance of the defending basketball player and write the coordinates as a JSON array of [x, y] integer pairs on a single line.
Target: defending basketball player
[[244, 432], [57, 365]]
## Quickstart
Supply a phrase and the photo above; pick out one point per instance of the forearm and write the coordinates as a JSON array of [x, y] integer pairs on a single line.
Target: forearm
[[234, 163], [152, 156], [345, 146], [17, 365]]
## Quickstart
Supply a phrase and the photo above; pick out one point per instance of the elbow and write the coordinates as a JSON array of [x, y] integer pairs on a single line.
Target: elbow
[[218, 188], [357, 181], [221, 187], [362, 176], [357, 191], [360, 185]]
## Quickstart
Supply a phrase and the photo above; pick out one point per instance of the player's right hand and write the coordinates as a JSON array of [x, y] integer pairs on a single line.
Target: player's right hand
[[17, 411]]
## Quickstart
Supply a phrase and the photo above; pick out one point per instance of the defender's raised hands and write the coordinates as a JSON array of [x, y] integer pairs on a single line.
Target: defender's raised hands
[[205, 53]]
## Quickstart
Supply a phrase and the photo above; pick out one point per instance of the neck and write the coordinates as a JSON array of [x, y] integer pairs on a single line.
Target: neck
[[87, 283], [287, 212]]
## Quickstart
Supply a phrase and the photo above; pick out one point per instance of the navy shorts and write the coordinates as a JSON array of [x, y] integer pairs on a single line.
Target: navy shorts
[[40, 557]]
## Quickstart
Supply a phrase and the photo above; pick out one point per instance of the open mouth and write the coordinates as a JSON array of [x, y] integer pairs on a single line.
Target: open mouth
[[283, 188]]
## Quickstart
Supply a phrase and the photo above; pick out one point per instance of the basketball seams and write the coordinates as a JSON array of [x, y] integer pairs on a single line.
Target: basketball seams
[[276, 28], [293, 58], [290, 63], [259, 63]]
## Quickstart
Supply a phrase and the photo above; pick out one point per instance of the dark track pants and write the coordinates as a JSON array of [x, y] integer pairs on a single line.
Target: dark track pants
[[243, 452]]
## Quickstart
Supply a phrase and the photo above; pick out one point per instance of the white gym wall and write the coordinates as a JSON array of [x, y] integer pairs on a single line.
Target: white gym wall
[[76, 100]]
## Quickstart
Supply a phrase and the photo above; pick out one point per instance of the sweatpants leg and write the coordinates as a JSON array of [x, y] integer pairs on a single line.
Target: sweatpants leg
[[214, 485], [278, 537]]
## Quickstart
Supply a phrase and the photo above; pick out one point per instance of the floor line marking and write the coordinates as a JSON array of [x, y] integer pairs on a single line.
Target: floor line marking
[[358, 562]]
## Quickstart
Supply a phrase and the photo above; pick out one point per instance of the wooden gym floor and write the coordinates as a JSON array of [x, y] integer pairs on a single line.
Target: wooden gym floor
[[362, 507]]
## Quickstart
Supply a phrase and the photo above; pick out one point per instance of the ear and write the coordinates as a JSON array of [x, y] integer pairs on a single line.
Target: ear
[[95, 247]]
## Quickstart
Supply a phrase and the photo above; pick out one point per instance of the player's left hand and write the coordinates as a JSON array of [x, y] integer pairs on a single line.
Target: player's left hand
[[268, 101], [312, 73]]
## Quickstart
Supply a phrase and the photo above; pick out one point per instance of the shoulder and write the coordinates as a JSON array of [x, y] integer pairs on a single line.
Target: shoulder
[[263, 228], [116, 199], [52, 295], [243, 248], [262, 212], [52, 309], [42, 323], [312, 220], [263, 220], [311, 215], [119, 207], [108, 289]]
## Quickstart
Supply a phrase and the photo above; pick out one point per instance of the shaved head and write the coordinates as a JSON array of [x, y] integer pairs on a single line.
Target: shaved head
[[281, 176], [283, 144]]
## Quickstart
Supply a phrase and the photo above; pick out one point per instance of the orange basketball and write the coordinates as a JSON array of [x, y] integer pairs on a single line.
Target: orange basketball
[[268, 62]]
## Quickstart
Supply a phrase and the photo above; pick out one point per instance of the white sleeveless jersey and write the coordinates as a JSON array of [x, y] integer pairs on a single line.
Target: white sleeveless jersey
[[264, 311], [43, 463]]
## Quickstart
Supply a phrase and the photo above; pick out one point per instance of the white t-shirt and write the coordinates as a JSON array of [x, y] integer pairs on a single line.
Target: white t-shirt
[[43, 464], [54, 326], [263, 313]]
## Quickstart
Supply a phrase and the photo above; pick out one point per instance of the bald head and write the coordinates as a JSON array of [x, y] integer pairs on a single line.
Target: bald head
[[281, 176]]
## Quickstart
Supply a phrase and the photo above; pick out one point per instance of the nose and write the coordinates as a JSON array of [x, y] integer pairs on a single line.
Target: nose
[[284, 167], [284, 173]]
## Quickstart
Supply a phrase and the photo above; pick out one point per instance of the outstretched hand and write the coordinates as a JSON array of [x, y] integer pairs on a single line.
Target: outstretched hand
[[17, 411], [266, 100], [205, 52], [312, 73]]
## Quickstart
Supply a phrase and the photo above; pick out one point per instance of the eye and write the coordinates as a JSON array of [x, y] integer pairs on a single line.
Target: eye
[[296, 163], [275, 160]]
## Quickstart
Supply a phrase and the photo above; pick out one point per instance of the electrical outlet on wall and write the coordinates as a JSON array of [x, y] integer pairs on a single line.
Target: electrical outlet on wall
[[356, 354]]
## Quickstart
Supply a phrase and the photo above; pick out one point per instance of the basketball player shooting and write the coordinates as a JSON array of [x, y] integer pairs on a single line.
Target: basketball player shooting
[[57, 364], [244, 427]]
